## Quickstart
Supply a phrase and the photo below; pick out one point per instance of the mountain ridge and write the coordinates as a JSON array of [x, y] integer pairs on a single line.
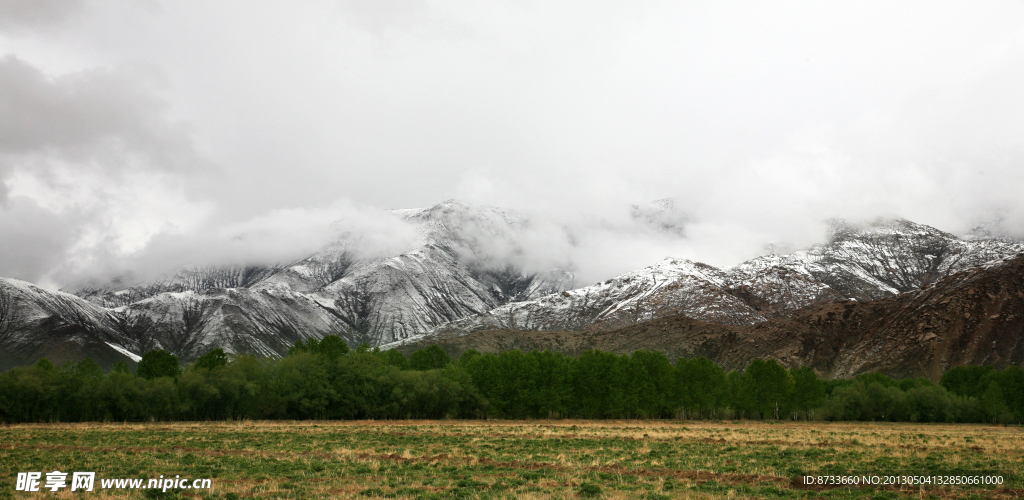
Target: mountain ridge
[[450, 283], [869, 262], [971, 317]]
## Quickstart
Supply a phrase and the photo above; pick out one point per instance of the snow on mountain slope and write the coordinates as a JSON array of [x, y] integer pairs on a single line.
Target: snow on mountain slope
[[394, 297], [189, 279], [663, 289], [776, 285], [458, 278], [453, 274], [266, 323], [972, 317], [455, 271], [36, 323], [886, 258], [869, 262]]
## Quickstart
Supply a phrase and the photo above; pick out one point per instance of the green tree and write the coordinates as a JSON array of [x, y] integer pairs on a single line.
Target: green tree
[[1011, 381], [119, 395], [907, 384], [655, 383], [355, 380], [771, 387], [624, 389], [966, 380], [516, 395], [158, 400], [994, 406], [469, 403], [392, 357], [484, 371], [33, 394], [302, 383], [211, 360], [701, 386], [88, 369], [808, 390], [247, 381], [45, 365], [592, 381], [930, 404], [332, 347], [431, 358], [884, 402], [301, 346], [120, 367], [847, 402], [553, 388], [875, 378], [738, 390], [79, 397], [1011, 386], [155, 364]]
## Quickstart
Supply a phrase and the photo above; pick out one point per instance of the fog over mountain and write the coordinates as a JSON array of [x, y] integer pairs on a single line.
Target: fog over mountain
[[140, 137]]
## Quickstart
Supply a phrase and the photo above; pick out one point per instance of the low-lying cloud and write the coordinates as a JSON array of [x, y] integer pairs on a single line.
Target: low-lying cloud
[[135, 140]]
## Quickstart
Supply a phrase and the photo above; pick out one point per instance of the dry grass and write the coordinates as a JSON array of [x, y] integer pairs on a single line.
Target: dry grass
[[519, 459]]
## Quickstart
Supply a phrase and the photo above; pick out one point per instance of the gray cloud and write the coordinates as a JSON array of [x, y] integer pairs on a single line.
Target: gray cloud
[[35, 240], [276, 237], [760, 121], [20, 15], [95, 151], [86, 114]]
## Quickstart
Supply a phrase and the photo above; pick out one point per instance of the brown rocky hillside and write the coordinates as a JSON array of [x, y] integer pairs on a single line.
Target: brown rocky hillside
[[971, 317]]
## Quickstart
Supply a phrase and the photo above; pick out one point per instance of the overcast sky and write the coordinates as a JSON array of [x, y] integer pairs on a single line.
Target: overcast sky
[[131, 128]]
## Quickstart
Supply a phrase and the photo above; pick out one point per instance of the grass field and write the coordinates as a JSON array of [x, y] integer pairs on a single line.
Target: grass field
[[516, 459]]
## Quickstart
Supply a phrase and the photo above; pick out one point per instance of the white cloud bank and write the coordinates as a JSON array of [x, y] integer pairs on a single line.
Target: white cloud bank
[[143, 135]]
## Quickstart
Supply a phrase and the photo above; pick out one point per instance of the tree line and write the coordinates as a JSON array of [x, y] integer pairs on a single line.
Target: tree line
[[325, 379]]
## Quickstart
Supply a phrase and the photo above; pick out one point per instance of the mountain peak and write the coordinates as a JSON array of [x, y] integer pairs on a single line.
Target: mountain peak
[[841, 229]]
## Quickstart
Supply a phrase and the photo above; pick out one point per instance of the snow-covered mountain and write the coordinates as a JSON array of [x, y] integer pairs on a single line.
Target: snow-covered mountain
[[36, 323], [454, 280], [450, 274], [190, 279], [973, 317], [667, 288], [864, 263]]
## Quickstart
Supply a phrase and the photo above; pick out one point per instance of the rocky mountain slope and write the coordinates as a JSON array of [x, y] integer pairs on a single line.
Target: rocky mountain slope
[[192, 279], [35, 323], [190, 324], [864, 263], [448, 274], [451, 282], [970, 317]]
